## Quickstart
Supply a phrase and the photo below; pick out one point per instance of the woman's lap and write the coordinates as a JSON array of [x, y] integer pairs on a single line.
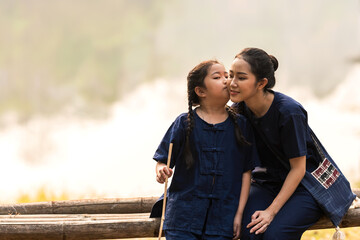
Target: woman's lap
[[298, 214]]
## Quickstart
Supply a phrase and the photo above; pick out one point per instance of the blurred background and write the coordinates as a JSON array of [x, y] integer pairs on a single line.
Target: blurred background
[[88, 88]]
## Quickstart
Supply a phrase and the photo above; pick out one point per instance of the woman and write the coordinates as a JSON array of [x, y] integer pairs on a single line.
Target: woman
[[283, 203]]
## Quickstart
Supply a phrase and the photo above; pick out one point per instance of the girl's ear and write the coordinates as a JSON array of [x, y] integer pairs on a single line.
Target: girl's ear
[[200, 91], [262, 83]]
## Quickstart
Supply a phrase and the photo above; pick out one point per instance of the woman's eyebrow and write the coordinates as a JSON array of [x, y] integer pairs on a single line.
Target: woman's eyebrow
[[239, 73]]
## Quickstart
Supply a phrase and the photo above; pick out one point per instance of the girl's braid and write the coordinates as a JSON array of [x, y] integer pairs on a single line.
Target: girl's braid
[[190, 125], [240, 139], [195, 79]]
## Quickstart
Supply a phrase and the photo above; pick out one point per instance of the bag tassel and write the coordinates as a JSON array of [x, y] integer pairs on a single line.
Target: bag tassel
[[338, 235]]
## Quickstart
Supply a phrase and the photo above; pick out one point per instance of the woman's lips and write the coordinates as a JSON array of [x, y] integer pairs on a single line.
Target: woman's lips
[[233, 92]]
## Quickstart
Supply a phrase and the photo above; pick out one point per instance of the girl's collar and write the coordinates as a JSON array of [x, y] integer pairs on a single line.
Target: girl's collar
[[210, 124]]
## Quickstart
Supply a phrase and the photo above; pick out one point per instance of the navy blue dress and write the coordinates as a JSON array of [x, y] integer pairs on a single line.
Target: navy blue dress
[[204, 198]]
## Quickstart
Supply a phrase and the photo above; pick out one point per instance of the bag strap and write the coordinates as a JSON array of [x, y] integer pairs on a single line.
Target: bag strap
[[317, 145]]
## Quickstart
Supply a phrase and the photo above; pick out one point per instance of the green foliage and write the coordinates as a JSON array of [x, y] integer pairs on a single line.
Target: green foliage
[[57, 54]]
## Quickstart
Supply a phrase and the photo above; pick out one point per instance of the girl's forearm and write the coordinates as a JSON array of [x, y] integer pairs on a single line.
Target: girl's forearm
[[244, 194]]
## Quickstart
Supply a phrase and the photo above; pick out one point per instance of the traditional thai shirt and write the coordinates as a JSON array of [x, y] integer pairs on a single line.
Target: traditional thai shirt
[[205, 197], [285, 127]]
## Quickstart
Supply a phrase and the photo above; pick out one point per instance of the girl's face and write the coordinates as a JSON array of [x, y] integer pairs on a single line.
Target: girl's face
[[242, 82], [216, 84]]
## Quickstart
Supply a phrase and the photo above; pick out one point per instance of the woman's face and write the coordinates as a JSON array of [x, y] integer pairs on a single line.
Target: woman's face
[[242, 83]]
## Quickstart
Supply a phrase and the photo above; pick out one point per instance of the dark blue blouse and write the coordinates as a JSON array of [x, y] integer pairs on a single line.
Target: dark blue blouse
[[285, 126], [286, 129], [209, 191]]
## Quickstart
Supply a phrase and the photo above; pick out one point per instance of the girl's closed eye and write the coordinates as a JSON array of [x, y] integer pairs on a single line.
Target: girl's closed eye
[[217, 77]]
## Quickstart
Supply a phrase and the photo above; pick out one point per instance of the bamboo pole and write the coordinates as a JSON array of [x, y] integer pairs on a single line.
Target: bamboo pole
[[79, 227], [51, 226], [165, 192], [88, 206], [105, 226]]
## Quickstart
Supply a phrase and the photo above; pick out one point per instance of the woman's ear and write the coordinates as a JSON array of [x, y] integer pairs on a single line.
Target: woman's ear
[[262, 83], [200, 91]]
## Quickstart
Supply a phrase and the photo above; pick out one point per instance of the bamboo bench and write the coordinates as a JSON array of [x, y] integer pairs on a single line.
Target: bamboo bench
[[99, 219]]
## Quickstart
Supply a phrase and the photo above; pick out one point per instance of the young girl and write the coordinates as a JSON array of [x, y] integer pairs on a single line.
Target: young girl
[[212, 156], [279, 207]]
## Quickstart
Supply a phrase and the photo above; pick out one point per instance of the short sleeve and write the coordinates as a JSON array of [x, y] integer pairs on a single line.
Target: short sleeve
[[293, 135], [176, 135]]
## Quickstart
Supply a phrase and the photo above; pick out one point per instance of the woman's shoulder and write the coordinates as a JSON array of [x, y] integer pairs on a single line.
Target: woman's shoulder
[[241, 120], [287, 105]]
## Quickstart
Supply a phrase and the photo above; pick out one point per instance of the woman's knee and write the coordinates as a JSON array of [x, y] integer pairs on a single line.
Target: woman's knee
[[279, 232]]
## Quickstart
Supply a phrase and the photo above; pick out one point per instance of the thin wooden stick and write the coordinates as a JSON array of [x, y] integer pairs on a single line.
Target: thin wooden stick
[[165, 192]]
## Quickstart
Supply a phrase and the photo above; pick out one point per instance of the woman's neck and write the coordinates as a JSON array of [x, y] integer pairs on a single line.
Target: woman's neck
[[212, 114], [260, 103]]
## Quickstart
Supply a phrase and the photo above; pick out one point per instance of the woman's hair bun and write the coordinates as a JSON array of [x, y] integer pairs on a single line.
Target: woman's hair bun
[[274, 62]]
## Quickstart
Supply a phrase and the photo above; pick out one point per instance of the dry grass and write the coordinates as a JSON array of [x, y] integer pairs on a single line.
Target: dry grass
[[42, 195], [350, 234]]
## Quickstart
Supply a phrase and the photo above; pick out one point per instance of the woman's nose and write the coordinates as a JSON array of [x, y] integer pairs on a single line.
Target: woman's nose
[[231, 82]]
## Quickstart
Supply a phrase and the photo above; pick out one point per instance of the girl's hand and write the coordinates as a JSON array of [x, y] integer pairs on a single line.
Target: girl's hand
[[237, 226], [260, 221], [162, 171]]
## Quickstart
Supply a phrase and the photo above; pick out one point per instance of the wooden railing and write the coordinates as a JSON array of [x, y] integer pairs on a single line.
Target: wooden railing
[[98, 219]]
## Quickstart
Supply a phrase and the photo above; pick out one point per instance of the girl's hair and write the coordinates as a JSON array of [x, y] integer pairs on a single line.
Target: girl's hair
[[262, 65], [195, 79]]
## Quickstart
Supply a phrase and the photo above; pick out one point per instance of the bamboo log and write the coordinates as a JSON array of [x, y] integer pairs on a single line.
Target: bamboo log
[[105, 226], [109, 226], [46, 222], [90, 206]]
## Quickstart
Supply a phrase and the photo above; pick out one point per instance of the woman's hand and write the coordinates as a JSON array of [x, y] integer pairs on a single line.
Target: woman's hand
[[162, 171], [237, 226], [260, 221]]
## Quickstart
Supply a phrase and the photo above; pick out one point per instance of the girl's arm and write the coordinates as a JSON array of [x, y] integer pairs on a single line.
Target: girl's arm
[[162, 171], [260, 220], [245, 189]]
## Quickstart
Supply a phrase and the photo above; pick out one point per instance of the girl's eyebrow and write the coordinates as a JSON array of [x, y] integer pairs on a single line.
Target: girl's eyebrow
[[218, 73], [215, 73]]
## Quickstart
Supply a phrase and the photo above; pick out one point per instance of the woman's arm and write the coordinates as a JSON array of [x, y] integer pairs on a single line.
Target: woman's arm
[[244, 194], [260, 220]]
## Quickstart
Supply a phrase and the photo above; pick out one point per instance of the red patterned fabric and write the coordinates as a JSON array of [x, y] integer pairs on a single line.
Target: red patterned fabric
[[326, 173]]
